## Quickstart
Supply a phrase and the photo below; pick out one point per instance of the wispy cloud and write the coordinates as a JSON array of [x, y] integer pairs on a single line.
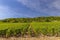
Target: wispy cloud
[[3, 10], [56, 4], [33, 4], [29, 8], [50, 7], [7, 12]]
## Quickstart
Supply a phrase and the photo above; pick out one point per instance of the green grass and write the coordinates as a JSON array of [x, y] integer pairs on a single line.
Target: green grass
[[32, 29]]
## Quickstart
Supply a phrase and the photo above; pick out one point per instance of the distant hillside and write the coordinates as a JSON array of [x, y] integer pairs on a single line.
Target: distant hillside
[[36, 19]]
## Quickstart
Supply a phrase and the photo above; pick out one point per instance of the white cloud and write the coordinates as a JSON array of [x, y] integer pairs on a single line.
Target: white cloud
[[52, 8], [56, 4], [37, 5], [33, 4], [4, 9], [6, 12]]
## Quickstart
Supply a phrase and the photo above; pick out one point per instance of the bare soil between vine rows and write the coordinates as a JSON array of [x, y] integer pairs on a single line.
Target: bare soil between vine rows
[[31, 38]]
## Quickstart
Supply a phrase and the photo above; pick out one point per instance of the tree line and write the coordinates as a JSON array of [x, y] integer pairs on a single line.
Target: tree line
[[35, 19]]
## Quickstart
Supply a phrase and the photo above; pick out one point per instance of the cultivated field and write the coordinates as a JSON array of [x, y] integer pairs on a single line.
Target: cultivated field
[[34, 29]]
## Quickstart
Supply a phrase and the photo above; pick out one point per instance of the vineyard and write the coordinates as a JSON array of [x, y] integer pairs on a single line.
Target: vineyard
[[33, 29]]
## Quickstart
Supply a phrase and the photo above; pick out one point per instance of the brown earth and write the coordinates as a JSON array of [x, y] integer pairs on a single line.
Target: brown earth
[[31, 38]]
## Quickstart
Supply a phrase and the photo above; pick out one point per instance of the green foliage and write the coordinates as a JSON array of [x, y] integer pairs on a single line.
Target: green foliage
[[29, 20], [33, 29]]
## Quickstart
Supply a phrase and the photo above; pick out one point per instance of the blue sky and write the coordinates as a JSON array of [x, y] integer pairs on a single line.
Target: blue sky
[[29, 8]]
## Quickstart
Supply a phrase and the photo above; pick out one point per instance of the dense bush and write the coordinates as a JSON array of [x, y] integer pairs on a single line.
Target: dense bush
[[29, 20]]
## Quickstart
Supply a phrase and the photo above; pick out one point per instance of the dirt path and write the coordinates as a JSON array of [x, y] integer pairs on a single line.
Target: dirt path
[[41, 38]]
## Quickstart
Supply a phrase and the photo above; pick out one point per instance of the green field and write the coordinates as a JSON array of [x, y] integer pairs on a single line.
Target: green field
[[33, 29]]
